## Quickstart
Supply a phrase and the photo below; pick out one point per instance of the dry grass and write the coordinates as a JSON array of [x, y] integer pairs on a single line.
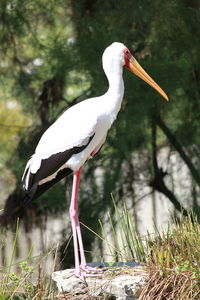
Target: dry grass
[[174, 262], [172, 256], [174, 286]]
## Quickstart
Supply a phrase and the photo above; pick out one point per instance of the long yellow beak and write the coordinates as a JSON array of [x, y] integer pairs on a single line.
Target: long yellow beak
[[135, 67]]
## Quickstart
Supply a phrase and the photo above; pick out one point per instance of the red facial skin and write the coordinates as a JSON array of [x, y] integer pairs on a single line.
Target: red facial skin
[[127, 56]]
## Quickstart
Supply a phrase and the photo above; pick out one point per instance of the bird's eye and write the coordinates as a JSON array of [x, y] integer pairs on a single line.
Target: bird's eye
[[126, 51]]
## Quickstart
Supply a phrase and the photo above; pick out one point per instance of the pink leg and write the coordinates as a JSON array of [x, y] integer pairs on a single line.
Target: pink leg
[[77, 237], [76, 226]]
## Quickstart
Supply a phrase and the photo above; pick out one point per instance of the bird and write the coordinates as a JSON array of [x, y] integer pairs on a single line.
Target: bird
[[78, 135]]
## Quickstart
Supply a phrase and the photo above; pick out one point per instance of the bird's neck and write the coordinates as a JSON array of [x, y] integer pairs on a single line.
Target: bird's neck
[[115, 92]]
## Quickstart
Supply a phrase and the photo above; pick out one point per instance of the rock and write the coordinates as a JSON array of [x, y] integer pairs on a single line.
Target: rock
[[121, 283], [68, 283]]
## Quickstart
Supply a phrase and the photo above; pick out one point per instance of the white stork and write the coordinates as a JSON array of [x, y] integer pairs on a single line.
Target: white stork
[[77, 135]]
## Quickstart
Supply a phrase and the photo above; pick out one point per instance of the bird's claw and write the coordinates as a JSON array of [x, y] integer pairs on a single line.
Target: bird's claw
[[91, 271], [86, 271]]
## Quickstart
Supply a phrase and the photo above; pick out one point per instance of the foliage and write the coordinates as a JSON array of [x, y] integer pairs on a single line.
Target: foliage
[[172, 256], [51, 59], [178, 248], [128, 244], [26, 279]]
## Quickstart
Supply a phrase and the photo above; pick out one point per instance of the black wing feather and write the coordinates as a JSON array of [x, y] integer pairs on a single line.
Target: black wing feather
[[48, 167], [52, 164], [38, 190]]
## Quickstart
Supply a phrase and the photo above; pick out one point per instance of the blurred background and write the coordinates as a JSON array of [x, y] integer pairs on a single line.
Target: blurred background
[[50, 59]]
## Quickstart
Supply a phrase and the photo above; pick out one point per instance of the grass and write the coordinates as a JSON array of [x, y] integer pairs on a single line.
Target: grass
[[21, 285], [174, 262], [128, 244], [29, 281], [172, 258]]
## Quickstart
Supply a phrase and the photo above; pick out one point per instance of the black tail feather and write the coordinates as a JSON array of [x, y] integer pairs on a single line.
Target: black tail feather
[[37, 190]]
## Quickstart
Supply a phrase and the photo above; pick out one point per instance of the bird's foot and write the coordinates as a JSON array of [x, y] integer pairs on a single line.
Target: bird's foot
[[86, 271], [91, 271], [79, 274]]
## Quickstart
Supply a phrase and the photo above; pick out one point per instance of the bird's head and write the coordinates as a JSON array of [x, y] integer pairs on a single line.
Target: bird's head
[[117, 56]]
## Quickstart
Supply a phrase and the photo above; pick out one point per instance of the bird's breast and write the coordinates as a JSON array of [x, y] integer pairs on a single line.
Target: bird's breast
[[78, 160]]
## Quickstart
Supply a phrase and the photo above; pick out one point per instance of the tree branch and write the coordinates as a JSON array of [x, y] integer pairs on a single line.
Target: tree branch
[[158, 175], [178, 147]]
